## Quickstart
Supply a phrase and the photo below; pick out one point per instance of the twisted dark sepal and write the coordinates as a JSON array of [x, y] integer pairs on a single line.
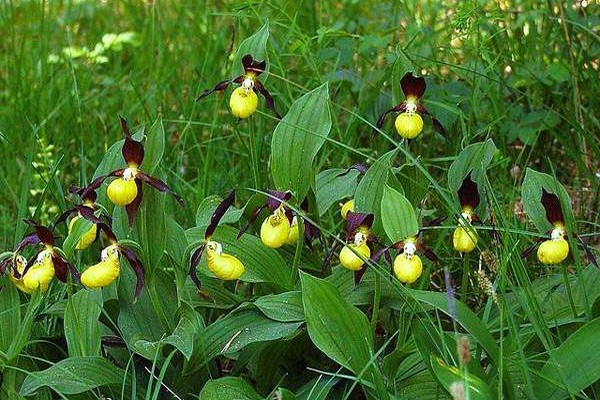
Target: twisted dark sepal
[[62, 266], [194, 260], [159, 185], [44, 234], [219, 87], [132, 207], [133, 151], [138, 268], [355, 220], [551, 204], [218, 214], [268, 98], [399, 108], [468, 193]]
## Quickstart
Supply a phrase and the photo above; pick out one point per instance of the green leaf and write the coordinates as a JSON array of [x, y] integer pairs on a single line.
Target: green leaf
[[369, 191], [340, 330], [283, 307], [23, 335], [82, 329], [447, 375], [262, 263], [10, 316], [333, 185], [297, 140], [74, 375], [531, 194], [229, 387], [572, 366], [397, 215], [256, 46], [185, 332], [150, 227], [154, 147], [316, 389], [207, 208]]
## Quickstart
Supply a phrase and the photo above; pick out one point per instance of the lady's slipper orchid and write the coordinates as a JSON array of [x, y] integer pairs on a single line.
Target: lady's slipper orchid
[[46, 263], [107, 270], [244, 100], [357, 251], [409, 123], [223, 266], [556, 249], [126, 190], [408, 266], [464, 238], [276, 230]]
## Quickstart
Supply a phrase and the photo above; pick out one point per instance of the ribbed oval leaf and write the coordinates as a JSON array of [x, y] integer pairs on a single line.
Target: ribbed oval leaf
[[333, 185], [82, 330], [572, 366], [228, 387], [397, 216], [475, 157], [207, 208], [74, 375], [297, 140], [284, 307], [531, 194]]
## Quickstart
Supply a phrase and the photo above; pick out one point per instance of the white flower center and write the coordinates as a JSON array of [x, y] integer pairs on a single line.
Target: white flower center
[[466, 219], [411, 106], [108, 252], [557, 234], [215, 246], [409, 249], [129, 173], [359, 238], [248, 84]]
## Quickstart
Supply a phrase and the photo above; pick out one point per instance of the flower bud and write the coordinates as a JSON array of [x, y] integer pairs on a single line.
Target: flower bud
[[347, 207], [88, 237], [103, 273], [275, 229], [553, 251], [352, 261], [464, 240], [409, 125], [122, 191], [407, 268], [243, 102], [223, 266]]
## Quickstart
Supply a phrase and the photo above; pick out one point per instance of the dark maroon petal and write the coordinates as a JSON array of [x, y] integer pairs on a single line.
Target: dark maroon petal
[[359, 274], [61, 266], [159, 185], [108, 232], [239, 79], [252, 65], [330, 254], [138, 268], [377, 255], [112, 341], [132, 207], [28, 240], [590, 256], [133, 151], [355, 220], [44, 234], [413, 86], [252, 218], [5, 263], [194, 260], [219, 87], [551, 204], [218, 214], [530, 248], [399, 108], [88, 213], [265, 93], [63, 217], [437, 125], [429, 253], [468, 193], [276, 197]]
